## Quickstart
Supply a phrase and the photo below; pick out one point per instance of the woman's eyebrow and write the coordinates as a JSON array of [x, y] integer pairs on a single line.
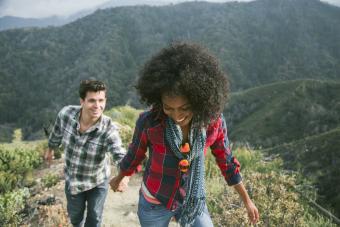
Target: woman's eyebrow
[[184, 105]]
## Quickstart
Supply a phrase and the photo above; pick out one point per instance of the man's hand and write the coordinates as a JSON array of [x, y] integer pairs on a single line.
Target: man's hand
[[48, 156], [119, 183]]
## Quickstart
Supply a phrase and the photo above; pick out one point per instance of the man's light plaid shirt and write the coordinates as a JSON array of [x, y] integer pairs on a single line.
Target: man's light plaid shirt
[[87, 163]]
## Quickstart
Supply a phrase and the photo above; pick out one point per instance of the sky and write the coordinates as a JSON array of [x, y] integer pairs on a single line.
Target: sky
[[46, 8]]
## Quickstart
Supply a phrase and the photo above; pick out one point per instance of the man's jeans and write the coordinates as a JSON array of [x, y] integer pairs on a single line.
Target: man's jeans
[[151, 215], [76, 205]]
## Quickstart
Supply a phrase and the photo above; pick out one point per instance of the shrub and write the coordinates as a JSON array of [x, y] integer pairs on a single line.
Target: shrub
[[14, 165], [50, 180], [126, 117], [271, 189], [11, 203]]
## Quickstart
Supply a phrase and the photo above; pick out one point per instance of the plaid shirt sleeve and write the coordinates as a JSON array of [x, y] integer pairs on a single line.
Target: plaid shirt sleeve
[[229, 165], [114, 144], [137, 149], [54, 140]]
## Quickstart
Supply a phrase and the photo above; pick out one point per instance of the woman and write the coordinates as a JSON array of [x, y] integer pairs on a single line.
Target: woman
[[186, 91]]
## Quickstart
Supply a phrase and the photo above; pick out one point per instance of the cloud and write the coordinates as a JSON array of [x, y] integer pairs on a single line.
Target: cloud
[[45, 8], [334, 2]]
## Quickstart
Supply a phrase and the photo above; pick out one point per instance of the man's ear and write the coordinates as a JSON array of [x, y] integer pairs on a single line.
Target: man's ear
[[81, 101]]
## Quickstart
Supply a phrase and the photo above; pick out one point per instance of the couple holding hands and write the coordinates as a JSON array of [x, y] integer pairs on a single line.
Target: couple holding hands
[[186, 91]]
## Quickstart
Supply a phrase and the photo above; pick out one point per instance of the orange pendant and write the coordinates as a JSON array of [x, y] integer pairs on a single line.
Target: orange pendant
[[185, 148], [184, 165]]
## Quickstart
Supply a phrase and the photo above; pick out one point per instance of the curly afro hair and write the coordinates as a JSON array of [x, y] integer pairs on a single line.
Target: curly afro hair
[[188, 70]]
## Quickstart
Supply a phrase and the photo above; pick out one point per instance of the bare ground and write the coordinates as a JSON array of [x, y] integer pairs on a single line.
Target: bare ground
[[120, 208]]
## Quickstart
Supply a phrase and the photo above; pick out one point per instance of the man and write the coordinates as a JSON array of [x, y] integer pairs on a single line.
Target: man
[[87, 135]]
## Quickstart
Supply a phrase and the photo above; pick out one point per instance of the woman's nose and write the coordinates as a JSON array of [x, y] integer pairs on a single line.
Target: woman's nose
[[177, 115]]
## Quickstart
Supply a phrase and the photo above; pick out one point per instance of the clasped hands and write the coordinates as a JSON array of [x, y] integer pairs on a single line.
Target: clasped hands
[[119, 183]]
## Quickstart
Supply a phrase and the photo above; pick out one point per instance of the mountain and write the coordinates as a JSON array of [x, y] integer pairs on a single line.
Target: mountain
[[300, 121], [257, 43], [116, 3], [12, 22], [283, 112], [9, 22]]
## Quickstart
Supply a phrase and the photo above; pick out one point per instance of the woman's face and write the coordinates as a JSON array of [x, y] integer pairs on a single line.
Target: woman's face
[[178, 109]]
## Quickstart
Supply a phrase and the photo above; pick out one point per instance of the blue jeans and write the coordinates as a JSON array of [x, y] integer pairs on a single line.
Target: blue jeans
[[151, 215], [76, 205]]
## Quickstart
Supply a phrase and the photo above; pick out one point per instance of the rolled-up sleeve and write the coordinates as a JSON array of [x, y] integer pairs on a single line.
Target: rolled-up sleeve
[[137, 148], [228, 164]]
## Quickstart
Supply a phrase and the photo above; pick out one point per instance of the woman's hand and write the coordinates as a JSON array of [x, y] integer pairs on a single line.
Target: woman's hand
[[119, 183], [253, 213]]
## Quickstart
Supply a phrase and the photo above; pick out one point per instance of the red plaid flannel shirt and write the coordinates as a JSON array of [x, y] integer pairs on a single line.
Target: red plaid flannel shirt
[[162, 176]]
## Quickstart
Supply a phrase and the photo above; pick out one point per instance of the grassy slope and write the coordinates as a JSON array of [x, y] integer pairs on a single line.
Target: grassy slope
[[283, 112], [299, 120], [318, 158], [266, 182]]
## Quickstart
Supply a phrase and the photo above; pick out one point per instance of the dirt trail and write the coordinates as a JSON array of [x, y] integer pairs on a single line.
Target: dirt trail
[[120, 208]]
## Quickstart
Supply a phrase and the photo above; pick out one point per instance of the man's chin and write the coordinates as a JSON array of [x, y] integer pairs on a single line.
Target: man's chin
[[95, 115]]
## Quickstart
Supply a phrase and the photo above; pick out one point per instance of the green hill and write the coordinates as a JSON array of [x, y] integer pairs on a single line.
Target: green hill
[[283, 112], [257, 42], [318, 158], [300, 120]]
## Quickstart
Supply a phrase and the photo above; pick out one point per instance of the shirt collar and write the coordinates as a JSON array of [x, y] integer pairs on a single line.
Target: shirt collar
[[159, 115]]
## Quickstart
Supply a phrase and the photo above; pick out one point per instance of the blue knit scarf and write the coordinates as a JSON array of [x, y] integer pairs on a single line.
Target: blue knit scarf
[[194, 200]]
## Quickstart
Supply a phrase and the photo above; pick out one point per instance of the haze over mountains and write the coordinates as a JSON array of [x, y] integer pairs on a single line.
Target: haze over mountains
[[11, 20]]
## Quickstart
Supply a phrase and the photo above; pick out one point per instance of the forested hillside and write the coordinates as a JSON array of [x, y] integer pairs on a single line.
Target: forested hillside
[[257, 43], [283, 112], [300, 121]]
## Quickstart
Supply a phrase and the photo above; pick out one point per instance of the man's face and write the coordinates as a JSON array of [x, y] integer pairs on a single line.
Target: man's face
[[94, 104]]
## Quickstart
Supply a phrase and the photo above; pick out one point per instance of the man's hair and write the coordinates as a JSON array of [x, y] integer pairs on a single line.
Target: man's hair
[[90, 85], [189, 70]]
